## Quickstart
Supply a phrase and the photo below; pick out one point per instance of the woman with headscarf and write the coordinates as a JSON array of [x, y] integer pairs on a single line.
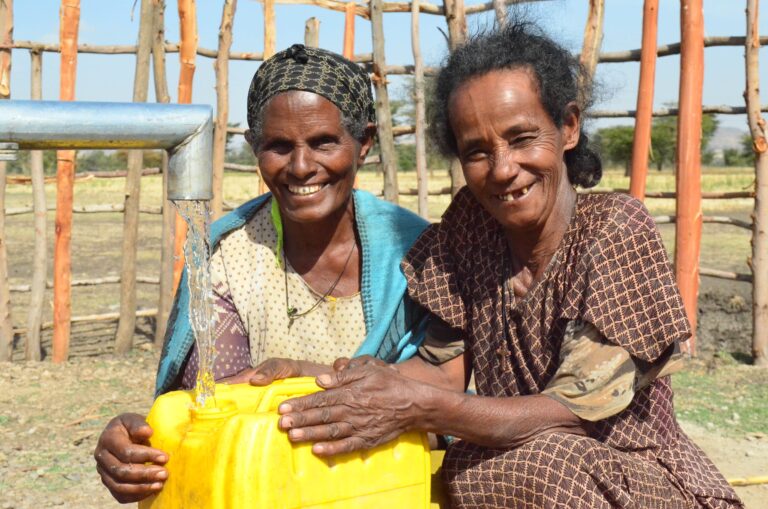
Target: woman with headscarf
[[302, 275], [563, 306]]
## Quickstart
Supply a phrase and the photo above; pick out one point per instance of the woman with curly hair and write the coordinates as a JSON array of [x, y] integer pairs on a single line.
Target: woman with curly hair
[[563, 306]]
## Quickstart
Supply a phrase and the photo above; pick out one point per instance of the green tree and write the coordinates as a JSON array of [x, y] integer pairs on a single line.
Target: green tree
[[747, 150], [664, 139], [615, 144], [404, 113], [21, 165]]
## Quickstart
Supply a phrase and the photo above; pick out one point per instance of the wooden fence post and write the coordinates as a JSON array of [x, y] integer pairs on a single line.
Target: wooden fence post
[[222, 104], [40, 255], [456, 18], [312, 33], [421, 121], [166, 288], [500, 9], [383, 113], [349, 30], [269, 50], [590, 50], [187, 53], [127, 323], [269, 28], [65, 177], [758, 130], [6, 38], [6, 325], [641, 143], [688, 177]]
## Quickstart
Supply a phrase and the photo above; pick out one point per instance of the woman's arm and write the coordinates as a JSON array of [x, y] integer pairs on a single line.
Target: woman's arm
[[367, 406]]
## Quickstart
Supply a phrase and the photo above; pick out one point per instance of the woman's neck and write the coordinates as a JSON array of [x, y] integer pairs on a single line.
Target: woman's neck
[[534, 249], [311, 240]]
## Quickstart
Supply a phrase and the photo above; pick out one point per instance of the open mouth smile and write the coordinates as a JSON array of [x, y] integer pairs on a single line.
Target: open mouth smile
[[516, 195], [305, 190]]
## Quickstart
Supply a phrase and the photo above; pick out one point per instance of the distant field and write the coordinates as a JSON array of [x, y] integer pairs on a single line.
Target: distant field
[[97, 237]]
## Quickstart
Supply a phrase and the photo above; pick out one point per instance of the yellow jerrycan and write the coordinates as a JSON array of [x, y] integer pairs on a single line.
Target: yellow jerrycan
[[233, 455]]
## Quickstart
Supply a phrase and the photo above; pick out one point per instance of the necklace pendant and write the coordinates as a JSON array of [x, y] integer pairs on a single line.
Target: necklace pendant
[[291, 313]]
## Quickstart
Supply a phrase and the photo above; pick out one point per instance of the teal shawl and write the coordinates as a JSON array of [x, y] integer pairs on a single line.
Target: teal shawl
[[395, 325]]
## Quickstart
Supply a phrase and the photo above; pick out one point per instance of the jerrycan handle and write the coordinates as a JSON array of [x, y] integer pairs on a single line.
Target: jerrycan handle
[[280, 390]]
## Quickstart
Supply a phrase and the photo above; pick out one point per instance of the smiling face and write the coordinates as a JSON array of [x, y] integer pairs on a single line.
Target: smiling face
[[510, 149], [308, 160]]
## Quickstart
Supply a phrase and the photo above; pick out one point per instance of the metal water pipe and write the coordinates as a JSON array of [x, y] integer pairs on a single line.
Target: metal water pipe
[[185, 131]]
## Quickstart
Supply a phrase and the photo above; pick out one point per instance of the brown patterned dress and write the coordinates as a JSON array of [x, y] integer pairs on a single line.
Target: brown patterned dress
[[610, 270]]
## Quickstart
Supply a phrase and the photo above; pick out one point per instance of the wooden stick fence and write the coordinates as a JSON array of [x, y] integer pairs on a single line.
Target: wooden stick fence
[[758, 131], [40, 253], [641, 142], [125, 328], [6, 325], [455, 14], [65, 173], [165, 295]]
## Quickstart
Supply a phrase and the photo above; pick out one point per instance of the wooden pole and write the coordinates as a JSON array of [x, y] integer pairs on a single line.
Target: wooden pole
[[688, 177], [269, 28], [127, 322], [158, 54], [455, 16], [312, 33], [349, 44], [349, 30], [500, 9], [641, 144], [269, 50], [222, 104], [40, 254], [6, 39], [590, 51], [6, 325], [383, 112], [759, 133], [421, 122], [65, 177], [165, 295], [188, 50]]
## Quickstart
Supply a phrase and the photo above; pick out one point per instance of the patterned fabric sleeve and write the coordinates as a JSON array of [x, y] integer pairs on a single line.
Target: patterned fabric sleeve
[[432, 279], [630, 293], [232, 348], [596, 379], [441, 342]]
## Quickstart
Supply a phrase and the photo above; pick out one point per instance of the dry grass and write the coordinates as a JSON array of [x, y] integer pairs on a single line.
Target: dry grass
[[97, 238]]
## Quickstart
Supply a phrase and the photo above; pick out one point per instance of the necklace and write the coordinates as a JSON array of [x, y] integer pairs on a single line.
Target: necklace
[[294, 313]]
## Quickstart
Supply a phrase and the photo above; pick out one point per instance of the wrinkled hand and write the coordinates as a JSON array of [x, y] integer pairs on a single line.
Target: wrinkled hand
[[266, 372], [343, 363], [360, 409], [121, 455]]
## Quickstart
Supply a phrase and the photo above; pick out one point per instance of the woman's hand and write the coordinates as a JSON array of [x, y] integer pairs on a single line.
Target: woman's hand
[[360, 409], [276, 369], [122, 454], [266, 372], [343, 363]]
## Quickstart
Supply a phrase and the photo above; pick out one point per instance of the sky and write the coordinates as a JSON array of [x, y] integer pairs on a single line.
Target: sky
[[114, 22]]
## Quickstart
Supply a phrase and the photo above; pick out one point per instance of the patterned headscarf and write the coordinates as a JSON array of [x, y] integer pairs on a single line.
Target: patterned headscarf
[[332, 76]]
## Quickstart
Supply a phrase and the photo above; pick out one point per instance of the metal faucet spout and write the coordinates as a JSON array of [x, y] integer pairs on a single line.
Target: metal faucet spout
[[185, 131]]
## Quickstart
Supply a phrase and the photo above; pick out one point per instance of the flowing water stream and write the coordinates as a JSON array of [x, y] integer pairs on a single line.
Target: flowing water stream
[[197, 257]]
